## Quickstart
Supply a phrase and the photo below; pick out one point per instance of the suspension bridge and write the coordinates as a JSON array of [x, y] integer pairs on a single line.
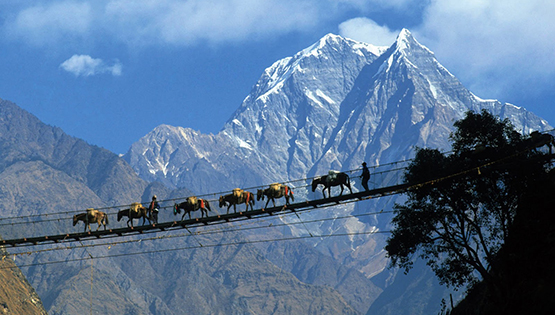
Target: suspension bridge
[[209, 220], [391, 174]]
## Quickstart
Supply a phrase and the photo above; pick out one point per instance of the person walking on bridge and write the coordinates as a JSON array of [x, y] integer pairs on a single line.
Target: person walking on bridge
[[153, 209], [365, 176]]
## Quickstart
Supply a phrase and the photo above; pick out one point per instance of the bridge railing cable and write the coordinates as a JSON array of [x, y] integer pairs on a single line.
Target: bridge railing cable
[[14, 227]]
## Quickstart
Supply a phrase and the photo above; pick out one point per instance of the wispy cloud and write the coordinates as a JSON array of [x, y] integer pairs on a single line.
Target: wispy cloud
[[45, 23], [476, 39], [176, 22], [187, 22], [502, 44], [85, 65], [366, 30]]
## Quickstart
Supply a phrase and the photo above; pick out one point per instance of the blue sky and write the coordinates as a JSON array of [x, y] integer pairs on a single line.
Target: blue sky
[[109, 71]]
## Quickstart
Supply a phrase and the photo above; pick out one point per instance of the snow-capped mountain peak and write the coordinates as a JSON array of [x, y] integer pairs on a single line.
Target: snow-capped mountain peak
[[326, 48], [335, 42], [330, 106], [405, 40]]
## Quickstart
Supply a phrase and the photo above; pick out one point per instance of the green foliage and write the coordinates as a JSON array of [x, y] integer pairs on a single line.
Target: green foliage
[[463, 204], [483, 130]]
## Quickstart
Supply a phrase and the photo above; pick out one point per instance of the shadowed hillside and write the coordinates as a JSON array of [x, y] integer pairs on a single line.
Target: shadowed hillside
[[16, 294], [44, 171]]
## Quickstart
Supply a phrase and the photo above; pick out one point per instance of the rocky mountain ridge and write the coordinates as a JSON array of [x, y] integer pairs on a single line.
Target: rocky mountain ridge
[[43, 172], [330, 106], [16, 294]]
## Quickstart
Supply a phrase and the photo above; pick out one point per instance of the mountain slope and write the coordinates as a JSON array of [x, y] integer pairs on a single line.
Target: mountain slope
[[16, 294], [277, 113], [25, 138], [331, 106], [42, 171], [45, 172]]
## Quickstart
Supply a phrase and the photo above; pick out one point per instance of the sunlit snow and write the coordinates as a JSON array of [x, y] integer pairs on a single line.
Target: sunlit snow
[[321, 95]]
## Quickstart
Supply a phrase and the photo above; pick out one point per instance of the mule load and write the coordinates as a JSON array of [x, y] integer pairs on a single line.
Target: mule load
[[191, 204], [91, 216], [237, 197], [334, 178], [274, 192]]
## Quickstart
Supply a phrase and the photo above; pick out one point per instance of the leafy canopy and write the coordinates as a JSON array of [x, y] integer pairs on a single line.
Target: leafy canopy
[[463, 204]]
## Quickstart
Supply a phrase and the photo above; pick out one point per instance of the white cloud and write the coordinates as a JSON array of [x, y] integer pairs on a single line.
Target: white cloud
[[84, 65], [186, 22], [371, 5], [47, 22], [493, 44], [177, 22], [368, 31], [478, 40]]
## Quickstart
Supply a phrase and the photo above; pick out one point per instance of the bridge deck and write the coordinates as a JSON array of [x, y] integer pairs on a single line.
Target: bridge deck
[[210, 220]]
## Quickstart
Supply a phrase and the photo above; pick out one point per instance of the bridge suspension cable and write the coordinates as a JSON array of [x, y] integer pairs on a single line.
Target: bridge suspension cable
[[117, 207], [239, 228], [288, 238], [233, 217]]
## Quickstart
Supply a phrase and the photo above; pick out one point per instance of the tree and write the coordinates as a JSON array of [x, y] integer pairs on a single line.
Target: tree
[[462, 205]]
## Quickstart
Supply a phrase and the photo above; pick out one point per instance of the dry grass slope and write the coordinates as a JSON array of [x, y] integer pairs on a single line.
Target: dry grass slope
[[16, 294]]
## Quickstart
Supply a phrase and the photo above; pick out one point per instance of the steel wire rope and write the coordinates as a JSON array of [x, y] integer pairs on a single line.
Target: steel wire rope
[[310, 236], [80, 211], [241, 219], [224, 191], [122, 206], [182, 198], [447, 176], [205, 232], [390, 193], [304, 225], [350, 201], [196, 233], [418, 185], [198, 247], [92, 286], [462, 172]]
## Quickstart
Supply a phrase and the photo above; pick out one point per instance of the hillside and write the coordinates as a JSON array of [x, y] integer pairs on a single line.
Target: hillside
[[16, 294], [330, 106], [43, 171]]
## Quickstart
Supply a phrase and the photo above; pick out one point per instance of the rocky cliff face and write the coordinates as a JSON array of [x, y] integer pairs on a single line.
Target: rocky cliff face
[[331, 106]]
